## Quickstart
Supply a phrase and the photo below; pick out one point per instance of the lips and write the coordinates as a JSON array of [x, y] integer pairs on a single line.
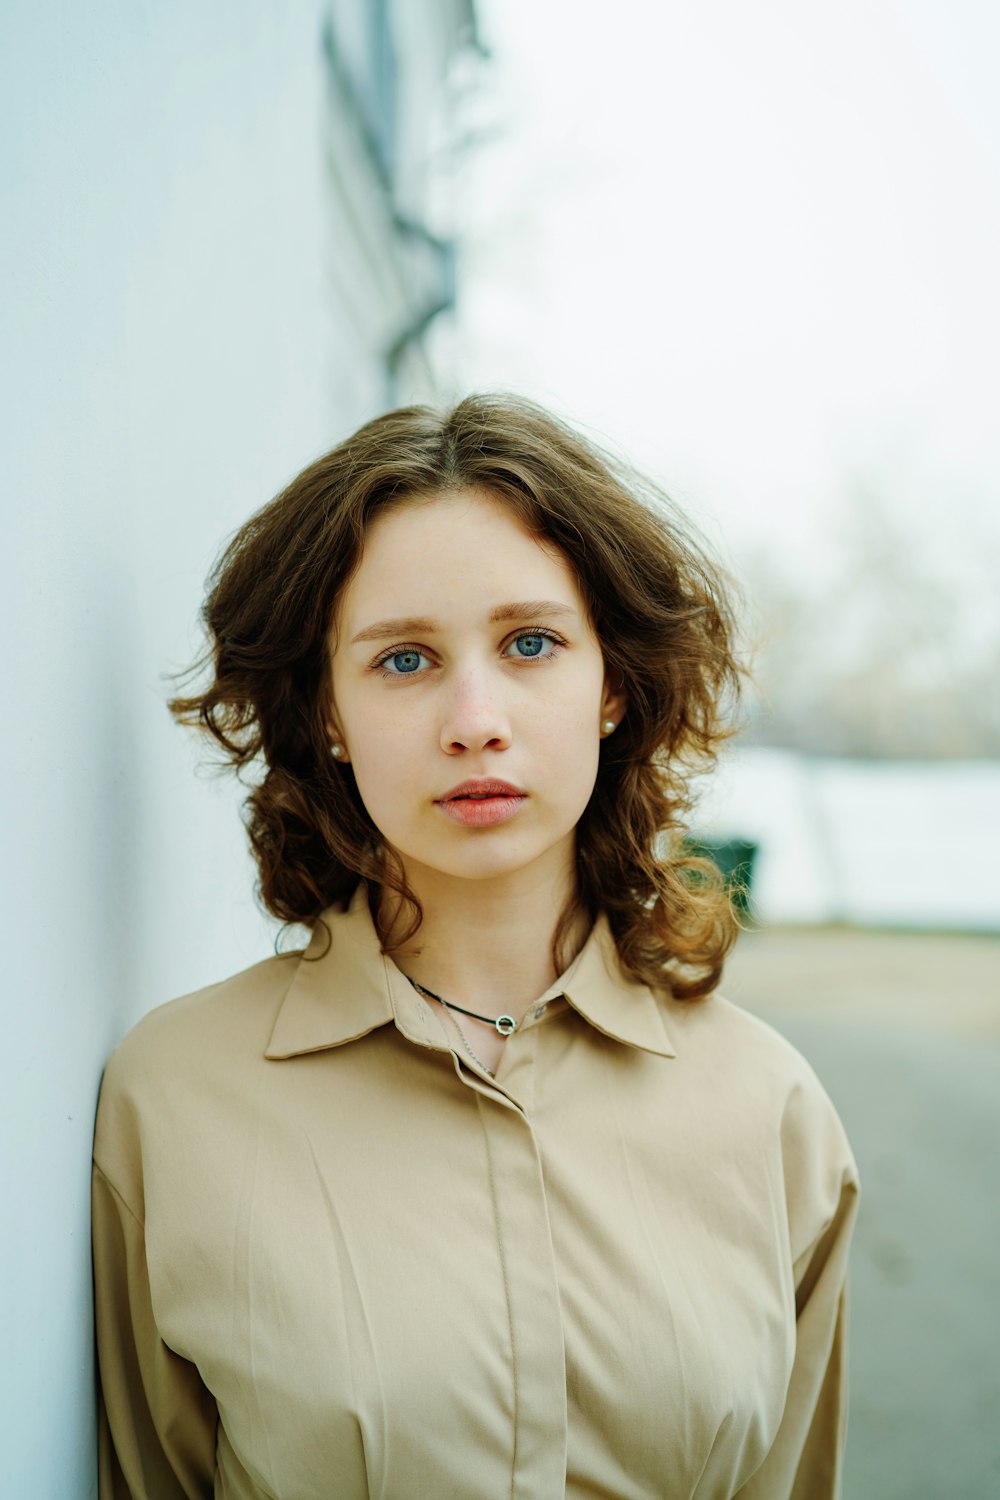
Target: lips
[[479, 787], [482, 802]]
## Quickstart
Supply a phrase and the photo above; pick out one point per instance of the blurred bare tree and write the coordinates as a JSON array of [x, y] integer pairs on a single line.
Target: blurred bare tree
[[889, 656]]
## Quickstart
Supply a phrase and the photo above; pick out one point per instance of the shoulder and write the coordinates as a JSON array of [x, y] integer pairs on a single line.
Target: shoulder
[[236, 1014], [759, 1077], [181, 1055], [736, 1040], [763, 1110]]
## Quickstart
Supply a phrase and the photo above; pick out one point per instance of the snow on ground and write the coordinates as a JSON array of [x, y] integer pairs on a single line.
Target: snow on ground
[[878, 843]]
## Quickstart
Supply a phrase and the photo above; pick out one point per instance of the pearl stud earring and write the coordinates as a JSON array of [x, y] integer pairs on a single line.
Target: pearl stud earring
[[336, 750], [609, 726]]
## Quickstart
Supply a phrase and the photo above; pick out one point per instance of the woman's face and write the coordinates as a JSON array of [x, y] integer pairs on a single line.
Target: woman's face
[[462, 656]]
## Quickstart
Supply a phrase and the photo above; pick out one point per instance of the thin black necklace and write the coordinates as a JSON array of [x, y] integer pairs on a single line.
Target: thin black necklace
[[505, 1025]]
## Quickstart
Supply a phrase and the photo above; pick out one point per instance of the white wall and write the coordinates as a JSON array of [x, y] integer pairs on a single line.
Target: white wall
[[174, 351]]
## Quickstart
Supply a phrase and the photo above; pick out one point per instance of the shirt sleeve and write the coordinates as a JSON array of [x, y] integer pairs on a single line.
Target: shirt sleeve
[[156, 1420], [805, 1460]]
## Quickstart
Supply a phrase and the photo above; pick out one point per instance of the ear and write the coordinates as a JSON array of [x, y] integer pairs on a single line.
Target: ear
[[332, 726], [614, 703], [335, 739]]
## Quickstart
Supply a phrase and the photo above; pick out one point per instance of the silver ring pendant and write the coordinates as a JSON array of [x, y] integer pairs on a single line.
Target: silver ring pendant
[[505, 1025]]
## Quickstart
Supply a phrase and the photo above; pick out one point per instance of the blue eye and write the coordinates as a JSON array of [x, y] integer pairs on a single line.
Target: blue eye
[[533, 644], [530, 645], [402, 663]]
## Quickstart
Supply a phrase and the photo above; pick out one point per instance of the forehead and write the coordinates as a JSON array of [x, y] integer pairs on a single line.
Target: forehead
[[454, 547]]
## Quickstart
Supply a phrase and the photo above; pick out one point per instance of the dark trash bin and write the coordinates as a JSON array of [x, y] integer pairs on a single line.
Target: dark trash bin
[[734, 858]]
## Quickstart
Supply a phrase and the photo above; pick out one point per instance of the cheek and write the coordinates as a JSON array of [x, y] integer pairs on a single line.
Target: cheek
[[386, 766], [570, 746], [575, 713]]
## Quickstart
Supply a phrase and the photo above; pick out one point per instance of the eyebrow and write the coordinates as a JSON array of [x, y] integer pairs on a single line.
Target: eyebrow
[[522, 609]]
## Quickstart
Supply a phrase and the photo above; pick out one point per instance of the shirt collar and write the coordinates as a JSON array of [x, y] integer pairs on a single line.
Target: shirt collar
[[343, 986], [623, 1008]]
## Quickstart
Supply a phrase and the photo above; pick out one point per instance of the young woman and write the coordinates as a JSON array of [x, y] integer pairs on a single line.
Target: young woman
[[488, 1192]]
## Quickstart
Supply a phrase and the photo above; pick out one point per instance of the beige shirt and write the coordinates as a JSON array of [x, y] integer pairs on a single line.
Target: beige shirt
[[334, 1258]]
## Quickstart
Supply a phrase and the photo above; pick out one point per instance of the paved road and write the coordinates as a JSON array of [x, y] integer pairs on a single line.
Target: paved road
[[905, 1034]]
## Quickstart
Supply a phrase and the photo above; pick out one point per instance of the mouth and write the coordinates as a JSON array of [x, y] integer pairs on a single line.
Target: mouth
[[482, 803], [480, 788]]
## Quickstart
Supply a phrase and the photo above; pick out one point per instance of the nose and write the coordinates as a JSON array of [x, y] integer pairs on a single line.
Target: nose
[[475, 717]]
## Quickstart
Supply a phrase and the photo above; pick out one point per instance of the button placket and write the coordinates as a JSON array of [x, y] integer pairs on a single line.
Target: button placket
[[538, 1362]]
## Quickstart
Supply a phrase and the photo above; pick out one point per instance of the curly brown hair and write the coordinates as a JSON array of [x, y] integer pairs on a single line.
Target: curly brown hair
[[660, 608]]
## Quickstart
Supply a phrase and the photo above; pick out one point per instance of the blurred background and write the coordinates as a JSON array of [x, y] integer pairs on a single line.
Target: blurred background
[[751, 246]]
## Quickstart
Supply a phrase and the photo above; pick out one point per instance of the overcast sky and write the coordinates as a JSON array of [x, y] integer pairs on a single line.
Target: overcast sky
[[756, 246]]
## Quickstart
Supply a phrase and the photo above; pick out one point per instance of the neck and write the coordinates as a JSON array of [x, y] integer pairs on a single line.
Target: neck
[[486, 945]]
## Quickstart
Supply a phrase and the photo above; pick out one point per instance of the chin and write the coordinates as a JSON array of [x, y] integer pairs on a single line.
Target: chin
[[489, 855], [481, 866]]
